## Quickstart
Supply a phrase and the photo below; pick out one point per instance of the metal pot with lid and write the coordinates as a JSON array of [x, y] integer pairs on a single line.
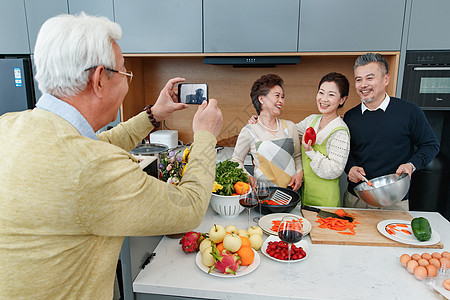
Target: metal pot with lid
[[149, 149]]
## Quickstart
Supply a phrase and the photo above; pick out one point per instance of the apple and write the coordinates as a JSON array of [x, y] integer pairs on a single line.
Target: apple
[[217, 233], [256, 241], [242, 232], [232, 242], [204, 244], [255, 229], [207, 258], [231, 229]]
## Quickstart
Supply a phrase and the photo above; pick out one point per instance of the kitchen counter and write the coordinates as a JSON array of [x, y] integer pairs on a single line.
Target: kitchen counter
[[329, 271]]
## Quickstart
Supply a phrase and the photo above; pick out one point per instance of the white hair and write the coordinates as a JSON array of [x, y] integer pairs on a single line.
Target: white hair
[[67, 45]]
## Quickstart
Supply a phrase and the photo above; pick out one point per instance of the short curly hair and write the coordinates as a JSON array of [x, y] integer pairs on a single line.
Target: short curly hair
[[262, 87]]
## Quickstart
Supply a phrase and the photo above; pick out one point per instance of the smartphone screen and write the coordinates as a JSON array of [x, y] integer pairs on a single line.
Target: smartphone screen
[[192, 93]]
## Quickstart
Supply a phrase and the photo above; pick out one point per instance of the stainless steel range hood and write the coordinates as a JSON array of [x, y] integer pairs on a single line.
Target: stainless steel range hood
[[252, 61]]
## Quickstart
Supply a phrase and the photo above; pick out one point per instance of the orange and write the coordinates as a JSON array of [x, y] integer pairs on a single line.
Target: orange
[[241, 187], [219, 247], [245, 242], [247, 255]]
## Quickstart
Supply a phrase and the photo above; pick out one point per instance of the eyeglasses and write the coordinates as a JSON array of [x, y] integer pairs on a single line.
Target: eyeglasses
[[130, 74]]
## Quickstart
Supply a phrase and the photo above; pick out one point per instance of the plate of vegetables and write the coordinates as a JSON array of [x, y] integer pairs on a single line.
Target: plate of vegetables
[[401, 231], [269, 223]]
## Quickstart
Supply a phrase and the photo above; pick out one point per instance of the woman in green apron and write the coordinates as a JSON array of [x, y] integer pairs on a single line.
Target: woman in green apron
[[324, 161], [274, 144]]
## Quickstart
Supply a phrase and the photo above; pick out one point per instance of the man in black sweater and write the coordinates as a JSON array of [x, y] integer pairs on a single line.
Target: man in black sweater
[[388, 135]]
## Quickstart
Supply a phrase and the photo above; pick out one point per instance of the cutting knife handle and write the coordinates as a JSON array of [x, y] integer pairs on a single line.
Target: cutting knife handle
[[310, 208]]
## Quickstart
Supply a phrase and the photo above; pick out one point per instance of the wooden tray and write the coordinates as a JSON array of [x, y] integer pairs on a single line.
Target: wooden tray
[[367, 233]]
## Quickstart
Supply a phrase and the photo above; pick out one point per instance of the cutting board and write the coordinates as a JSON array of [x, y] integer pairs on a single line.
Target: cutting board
[[367, 233]]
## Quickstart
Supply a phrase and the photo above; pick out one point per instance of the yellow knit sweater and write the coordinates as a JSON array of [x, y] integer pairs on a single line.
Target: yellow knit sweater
[[67, 201]]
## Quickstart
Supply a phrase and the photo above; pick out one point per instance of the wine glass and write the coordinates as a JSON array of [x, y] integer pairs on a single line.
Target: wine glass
[[290, 231], [249, 201], [262, 190]]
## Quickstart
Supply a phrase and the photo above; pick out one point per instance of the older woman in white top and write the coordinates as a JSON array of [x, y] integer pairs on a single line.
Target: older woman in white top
[[273, 143]]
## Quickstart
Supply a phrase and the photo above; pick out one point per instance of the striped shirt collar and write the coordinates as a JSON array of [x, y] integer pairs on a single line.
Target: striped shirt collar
[[382, 106], [68, 113]]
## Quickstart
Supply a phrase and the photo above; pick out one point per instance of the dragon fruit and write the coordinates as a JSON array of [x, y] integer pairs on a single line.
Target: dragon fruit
[[226, 262], [191, 240]]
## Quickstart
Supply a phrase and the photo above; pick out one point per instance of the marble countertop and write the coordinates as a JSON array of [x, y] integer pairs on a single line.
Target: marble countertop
[[329, 271]]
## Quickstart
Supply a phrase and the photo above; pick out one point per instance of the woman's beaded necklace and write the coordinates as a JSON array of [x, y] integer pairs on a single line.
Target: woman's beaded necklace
[[267, 128]]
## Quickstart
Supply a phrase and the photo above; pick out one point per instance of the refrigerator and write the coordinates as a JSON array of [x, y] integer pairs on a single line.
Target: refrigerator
[[16, 84]]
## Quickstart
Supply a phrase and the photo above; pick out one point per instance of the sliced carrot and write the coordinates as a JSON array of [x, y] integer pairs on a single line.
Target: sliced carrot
[[390, 231], [402, 225], [340, 212], [337, 224], [405, 231]]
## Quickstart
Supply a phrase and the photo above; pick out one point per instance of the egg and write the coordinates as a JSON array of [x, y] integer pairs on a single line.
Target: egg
[[416, 256], [423, 262], [446, 254], [446, 284], [436, 255], [404, 259], [425, 255], [431, 270], [435, 262], [411, 265], [420, 273], [445, 262]]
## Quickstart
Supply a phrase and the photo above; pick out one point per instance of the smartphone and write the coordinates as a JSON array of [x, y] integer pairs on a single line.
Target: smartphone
[[192, 93]]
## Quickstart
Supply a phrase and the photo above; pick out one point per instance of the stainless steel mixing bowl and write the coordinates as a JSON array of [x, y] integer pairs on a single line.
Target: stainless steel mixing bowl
[[388, 190]]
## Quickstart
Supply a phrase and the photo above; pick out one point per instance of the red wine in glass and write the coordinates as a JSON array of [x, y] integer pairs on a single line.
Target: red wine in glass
[[249, 201], [290, 236], [290, 231]]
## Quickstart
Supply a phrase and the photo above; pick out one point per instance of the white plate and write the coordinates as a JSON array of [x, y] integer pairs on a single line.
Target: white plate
[[404, 237], [304, 244], [266, 223], [243, 270]]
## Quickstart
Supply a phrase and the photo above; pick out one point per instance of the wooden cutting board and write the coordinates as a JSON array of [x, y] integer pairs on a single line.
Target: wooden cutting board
[[367, 233]]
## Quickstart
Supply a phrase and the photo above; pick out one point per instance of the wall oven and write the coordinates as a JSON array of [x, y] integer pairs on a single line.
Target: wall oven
[[426, 81]]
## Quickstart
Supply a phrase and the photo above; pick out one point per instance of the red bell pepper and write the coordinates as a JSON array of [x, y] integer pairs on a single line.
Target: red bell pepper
[[310, 134]]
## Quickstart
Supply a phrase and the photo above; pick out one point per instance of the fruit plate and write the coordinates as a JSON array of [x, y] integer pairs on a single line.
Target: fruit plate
[[304, 244], [401, 231], [243, 270], [266, 223]]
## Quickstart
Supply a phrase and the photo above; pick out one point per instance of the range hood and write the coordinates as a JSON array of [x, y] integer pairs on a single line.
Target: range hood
[[252, 61]]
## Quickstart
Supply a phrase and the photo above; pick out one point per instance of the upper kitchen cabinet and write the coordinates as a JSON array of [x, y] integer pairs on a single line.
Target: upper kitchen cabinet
[[102, 8], [351, 25], [251, 25], [13, 28], [429, 25], [38, 12], [160, 26]]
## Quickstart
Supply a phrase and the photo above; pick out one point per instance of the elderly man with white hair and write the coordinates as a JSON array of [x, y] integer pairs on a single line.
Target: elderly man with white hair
[[69, 196]]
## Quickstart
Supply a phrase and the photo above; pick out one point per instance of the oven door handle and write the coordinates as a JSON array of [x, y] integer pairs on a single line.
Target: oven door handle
[[431, 68]]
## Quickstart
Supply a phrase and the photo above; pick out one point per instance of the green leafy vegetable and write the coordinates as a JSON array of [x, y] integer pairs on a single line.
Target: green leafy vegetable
[[227, 174]]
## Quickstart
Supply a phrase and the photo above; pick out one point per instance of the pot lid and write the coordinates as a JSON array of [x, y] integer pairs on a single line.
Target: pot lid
[[149, 149]]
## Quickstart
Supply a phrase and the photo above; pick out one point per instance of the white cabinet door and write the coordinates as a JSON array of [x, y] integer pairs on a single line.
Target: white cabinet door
[[160, 26], [13, 28], [429, 25], [351, 25], [251, 25], [38, 12]]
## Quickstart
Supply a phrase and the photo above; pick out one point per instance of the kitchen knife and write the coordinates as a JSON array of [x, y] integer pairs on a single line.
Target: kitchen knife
[[325, 214]]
